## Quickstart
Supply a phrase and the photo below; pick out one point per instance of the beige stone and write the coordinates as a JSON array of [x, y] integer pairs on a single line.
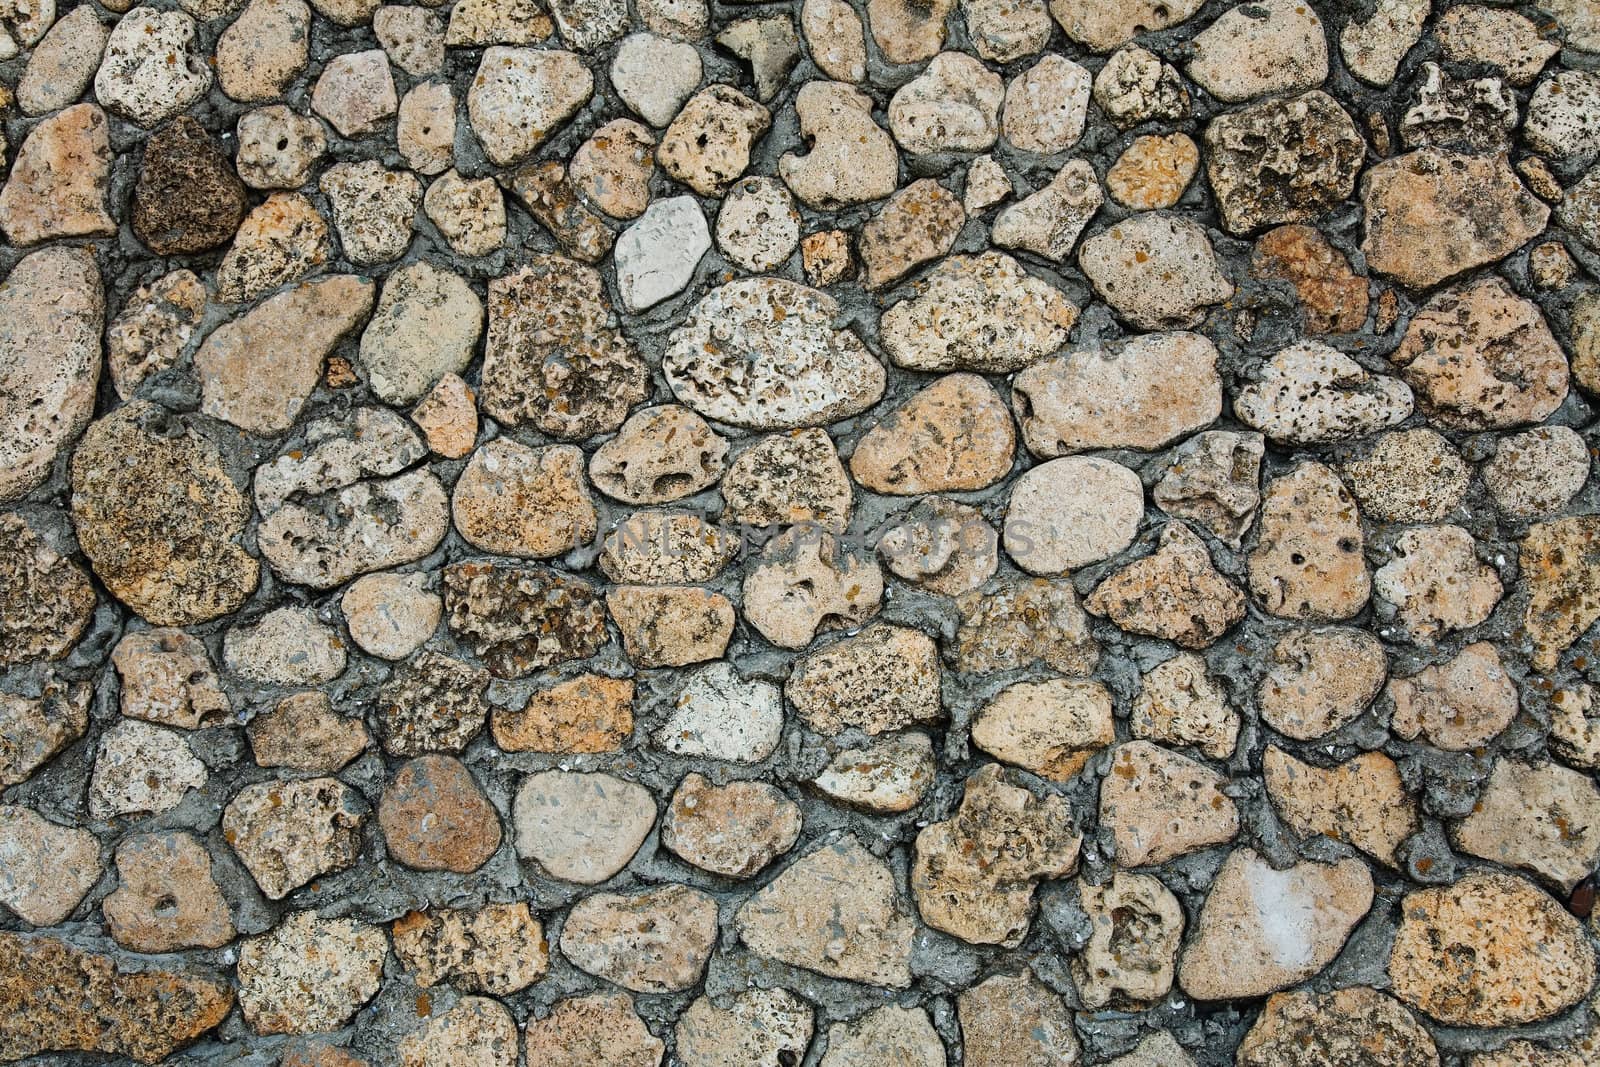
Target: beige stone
[[309, 974], [944, 547], [497, 949], [1135, 928], [1214, 480], [1374, 47], [153, 328], [597, 1030], [1160, 805], [167, 678], [953, 105], [1071, 512], [852, 160], [1311, 393], [391, 615], [793, 477], [1319, 680], [1175, 593], [425, 130], [355, 93], [955, 434], [1051, 728], [34, 731], [1135, 86], [581, 828], [1308, 562], [835, 39], [758, 227], [1409, 476], [373, 209], [1275, 47], [1561, 561], [890, 1034], [919, 223], [667, 548], [1103, 26], [1436, 583], [287, 833], [733, 830], [1153, 171], [887, 776], [1456, 705], [708, 145], [59, 179], [303, 733], [671, 626], [166, 897], [1049, 221], [659, 455], [521, 501], [1538, 817], [1355, 1024], [470, 213], [475, 1032], [1535, 473], [757, 1026], [1015, 1021], [1046, 106], [884, 678], [908, 32], [63, 62], [613, 168], [48, 869], [281, 240], [1504, 39], [1019, 623], [655, 941], [1156, 270], [520, 96], [1361, 802], [1180, 703], [803, 584]]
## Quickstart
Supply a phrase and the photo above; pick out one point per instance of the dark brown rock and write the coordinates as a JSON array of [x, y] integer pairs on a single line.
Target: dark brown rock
[[435, 818], [188, 198], [519, 619]]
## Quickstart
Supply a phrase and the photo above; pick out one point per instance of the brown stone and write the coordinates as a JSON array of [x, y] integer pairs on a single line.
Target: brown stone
[[657, 941], [33, 730], [166, 898], [732, 830], [1175, 593], [303, 733], [497, 949], [1051, 728], [1319, 680], [551, 198], [589, 713], [1334, 296], [287, 833], [1025, 622], [187, 198], [1539, 817], [885, 678], [918, 223], [1561, 562], [671, 626], [1153, 171], [1357, 1025], [435, 817], [954, 435], [46, 600], [513, 500], [1361, 802], [598, 1030], [519, 619]]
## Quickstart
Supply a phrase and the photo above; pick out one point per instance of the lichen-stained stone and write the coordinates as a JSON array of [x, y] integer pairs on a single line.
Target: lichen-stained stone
[[1540, 817], [1433, 214], [283, 239], [33, 730], [1048, 222], [954, 315], [581, 828], [954, 435], [919, 223], [433, 703], [889, 1034], [46, 600], [1561, 564], [1051, 728], [723, 716], [475, 23], [1176, 593], [1357, 1024], [733, 830], [1156, 270], [596, 1030], [589, 713], [1436, 583], [1334, 296], [1018, 623], [1071, 512], [803, 584], [475, 1032], [764, 353], [434, 816], [1538, 472], [303, 733], [655, 941], [51, 314], [167, 678], [1457, 705], [264, 50], [884, 678], [1046, 106], [55, 997], [1489, 950], [257, 371], [470, 213], [521, 95], [554, 201], [671, 626], [497, 949], [708, 145], [1373, 47], [1015, 1021], [166, 897], [659, 455], [1135, 86], [157, 516], [151, 69], [1286, 160], [1319, 680], [1101, 26], [613, 168], [287, 833], [757, 1026], [788, 478], [953, 105], [519, 501], [48, 869], [1212, 480], [794, 918], [1279, 46], [1311, 393], [1263, 929], [554, 356], [1362, 801], [152, 329], [852, 159], [974, 874], [373, 209], [1153, 172], [427, 324], [1136, 925], [1143, 394], [309, 974], [1482, 358], [1308, 561], [666, 548], [1410, 476], [1159, 805]]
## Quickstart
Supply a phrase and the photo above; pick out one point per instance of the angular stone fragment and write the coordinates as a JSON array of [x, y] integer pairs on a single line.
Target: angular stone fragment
[[1457, 705], [1136, 925], [167, 678], [1049, 221], [309, 974], [654, 76], [1102, 26], [1160, 805], [1373, 47], [657, 941], [885, 678], [598, 1030], [497, 949], [1319, 680], [48, 867], [157, 516], [1135, 86], [554, 201], [803, 584], [1051, 728], [671, 626], [166, 898], [589, 713], [659, 455], [852, 160], [1180, 704], [282, 240], [303, 733], [1282, 160], [581, 827], [1490, 950], [57, 998], [1561, 560], [412, 36], [769, 46], [434, 703], [521, 95], [151, 71], [1361, 802], [254, 376], [795, 919], [1046, 105], [339, 451], [1213, 479], [1176, 593], [355, 93], [953, 105], [1353, 1025], [1263, 929], [1540, 817], [1433, 214], [1024, 622], [886, 776], [287, 833], [918, 224], [1436, 583], [1072, 512], [789, 478], [425, 131], [764, 353], [885, 1035], [666, 548], [721, 715], [475, 23], [1310, 393], [1334, 297], [373, 209], [153, 328], [1308, 562], [708, 145], [1478, 115], [553, 356], [760, 1026], [1482, 358], [953, 315], [59, 179], [1157, 271], [33, 730]]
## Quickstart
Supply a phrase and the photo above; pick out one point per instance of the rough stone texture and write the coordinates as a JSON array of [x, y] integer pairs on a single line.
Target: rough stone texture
[[498, 948], [1353, 1025], [309, 974], [1159, 805], [1310, 393], [1132, 952], [885, 678], [1157, 271], [1459, 704], [1321, 679], [1051, 728], [657, 941], [49, 867], [581, 827], [1361, 801], [732, 830], [1308, 562], [954, 435], [287, 833], [434, 817], [597, 1030], [1536, 817], [1176, 593], [166, 897], [1071, 512], [1283, 160]]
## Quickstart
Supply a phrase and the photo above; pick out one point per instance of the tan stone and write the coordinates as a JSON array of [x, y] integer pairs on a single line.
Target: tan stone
[[425, 130], [667, 548], [1352, 1025], [448, 417], [598, 1030], [655, 941], [1457, 705], [757, 1026], [1320, 679], [355, 93], [1015, 1021], [1504, 39], [475, 1032], [166, 897], [1135, 927], [1535, 473], [281, 240], [708, 145], [520, 96], [153, 328], [1046, 105], [167, 678], [788, 478], [889, 1034], [303, 733], [1214, 480], [835, 39], [1156, 270], [1308, 562], [1334, 296], [1262, 929], [59, 179], [287, 833], [589, 713], [1361, 802], [1490, 950], [659, 455], [550, 198], [944, 547], [1153, 171], [1175, 593], [278, 147], [1049, 221], [1102, 26], [1436, 583], [33, 731], [309, 974], [1311, 393], [1274, 47], [885, 678], [917, 224], [1051, 728], [521, 501], [1024, 622], [733, 830], [1160, 805], [826, 257], [1180, 703], [1539, 817], [391, 615], [497, 949], [612, 169], [519, 619], [48, 869], [954, 435], [852, 159], [1071, 512], [1409, 476], [802, 584], [470, 213], [581, 827], [1561, 562], [671, 626], [887, 776]]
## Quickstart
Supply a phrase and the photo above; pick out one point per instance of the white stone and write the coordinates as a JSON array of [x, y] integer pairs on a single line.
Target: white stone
[[654, 76], [1071, 512], [657, 255], [720, 715], [151, 71]]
